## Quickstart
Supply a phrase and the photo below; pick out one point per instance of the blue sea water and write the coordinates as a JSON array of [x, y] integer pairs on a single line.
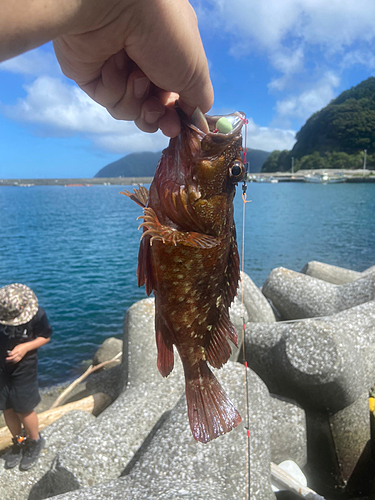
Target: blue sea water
[[77, 249]]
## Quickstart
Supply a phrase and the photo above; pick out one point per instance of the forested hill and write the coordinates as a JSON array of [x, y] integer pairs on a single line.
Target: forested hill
[[347, 124], [335, 136], [144, 164]]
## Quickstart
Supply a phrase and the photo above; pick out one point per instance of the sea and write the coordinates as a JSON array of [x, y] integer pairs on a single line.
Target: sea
[[77, 248]]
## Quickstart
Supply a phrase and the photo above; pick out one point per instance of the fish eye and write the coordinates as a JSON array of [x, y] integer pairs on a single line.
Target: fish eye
[[237, 171]]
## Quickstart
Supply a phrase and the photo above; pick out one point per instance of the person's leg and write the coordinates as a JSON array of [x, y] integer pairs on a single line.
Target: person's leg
[[14, 455], [30, 422], [13, 422], [34, 442]]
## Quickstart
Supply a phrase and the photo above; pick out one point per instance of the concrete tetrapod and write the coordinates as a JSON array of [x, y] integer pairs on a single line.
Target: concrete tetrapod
[[172, 465], [298, 296], [325, 365], [333, 274]]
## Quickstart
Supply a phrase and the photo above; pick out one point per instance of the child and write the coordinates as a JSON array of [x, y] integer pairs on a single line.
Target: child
[[24, 328]]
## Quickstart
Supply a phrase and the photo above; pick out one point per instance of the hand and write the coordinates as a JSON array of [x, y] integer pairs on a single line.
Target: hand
[[136, 58], [17, 353]]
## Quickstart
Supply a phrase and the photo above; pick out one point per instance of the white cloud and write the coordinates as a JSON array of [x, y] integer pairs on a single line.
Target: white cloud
[[35, 62], [132, 141], [364, 58], [268, 138], [65, 109], [273, 23], [309, 101], [289, 32]]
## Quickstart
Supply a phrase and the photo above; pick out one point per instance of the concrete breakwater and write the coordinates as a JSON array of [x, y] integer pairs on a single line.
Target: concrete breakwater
[[310, 347], [351, 176], [76, 182]]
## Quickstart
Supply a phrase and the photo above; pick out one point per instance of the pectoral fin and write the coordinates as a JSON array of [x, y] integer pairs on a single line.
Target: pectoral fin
[[140, 195], [167, 235]]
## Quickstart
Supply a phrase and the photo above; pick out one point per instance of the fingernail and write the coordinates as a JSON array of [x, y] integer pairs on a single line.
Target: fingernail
[[152, 116], [140, 87]]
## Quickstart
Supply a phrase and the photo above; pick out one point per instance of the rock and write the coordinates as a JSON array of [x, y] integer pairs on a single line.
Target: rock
[[288, 432], [107, 351], [298, 296], [29, 485], [174, 465]]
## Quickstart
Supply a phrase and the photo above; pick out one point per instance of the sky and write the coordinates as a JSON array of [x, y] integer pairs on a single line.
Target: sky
[[278, 61]]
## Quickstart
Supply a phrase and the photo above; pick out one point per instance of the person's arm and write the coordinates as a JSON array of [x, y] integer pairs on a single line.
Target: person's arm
[[21, 350], [134, 57], [26, 24]]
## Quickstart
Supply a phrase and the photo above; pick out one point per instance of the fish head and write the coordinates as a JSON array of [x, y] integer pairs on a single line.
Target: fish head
[[214, 155], [194, 184]]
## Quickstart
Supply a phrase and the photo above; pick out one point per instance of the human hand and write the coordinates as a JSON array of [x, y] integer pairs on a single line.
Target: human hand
[[17, 353], [136, 58]]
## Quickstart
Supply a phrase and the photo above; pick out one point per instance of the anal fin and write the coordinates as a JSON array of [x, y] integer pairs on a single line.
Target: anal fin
[[211, 414]]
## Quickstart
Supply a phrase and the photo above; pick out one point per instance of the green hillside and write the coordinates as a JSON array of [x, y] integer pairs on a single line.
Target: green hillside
[[336, 136], [144, 164]]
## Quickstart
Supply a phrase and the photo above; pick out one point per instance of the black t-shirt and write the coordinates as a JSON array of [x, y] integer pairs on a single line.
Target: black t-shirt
[[10, 336]]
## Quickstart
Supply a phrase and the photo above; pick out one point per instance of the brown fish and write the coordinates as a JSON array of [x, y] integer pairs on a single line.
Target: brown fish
[[188, 257]]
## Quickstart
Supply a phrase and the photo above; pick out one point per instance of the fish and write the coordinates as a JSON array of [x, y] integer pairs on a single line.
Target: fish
[[188, 258]]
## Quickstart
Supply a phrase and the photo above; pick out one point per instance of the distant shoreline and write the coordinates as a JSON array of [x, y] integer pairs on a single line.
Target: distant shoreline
[[352, 176], [71, 182]]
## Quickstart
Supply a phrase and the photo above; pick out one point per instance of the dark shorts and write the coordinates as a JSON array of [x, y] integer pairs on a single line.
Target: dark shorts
[[19, 386]]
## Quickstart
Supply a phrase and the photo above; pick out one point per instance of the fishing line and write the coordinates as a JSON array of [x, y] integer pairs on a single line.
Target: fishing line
[[246, 384]]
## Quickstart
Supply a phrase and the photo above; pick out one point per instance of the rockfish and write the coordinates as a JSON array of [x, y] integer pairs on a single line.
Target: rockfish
[[188, 257]]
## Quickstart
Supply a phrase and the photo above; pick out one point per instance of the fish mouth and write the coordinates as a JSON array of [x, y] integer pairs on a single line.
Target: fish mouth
[[210, 125]]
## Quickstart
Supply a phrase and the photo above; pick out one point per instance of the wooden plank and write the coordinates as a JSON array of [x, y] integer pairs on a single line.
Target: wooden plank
[[92, 404]]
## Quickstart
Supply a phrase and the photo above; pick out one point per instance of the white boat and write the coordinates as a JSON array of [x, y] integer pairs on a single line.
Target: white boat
[[324, 178]]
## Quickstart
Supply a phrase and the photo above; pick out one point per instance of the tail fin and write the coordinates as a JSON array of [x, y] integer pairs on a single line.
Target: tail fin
[[210, 412]]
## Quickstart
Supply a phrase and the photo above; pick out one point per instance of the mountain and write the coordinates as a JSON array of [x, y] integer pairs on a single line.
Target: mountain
[[256, 158], [336, 135], [144, 164], [132, 165]]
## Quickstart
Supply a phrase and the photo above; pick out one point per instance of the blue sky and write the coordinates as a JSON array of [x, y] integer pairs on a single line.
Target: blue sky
[[278, 61]]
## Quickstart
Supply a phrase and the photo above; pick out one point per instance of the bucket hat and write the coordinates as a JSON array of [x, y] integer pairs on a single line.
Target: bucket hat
[[18, 304]]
